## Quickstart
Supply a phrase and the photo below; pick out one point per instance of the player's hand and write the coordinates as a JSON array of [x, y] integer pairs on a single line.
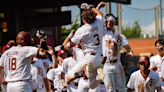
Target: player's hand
[[84, 6], [51, 90], [11, 43], [101, 4], [50, 51], [129, 55], [41, 34], [104, 60], [73, 31], [4, 82], [154, 68], [65, 85]]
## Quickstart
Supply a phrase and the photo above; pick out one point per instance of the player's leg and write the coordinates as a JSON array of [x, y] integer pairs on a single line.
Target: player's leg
[[109, 77], [120, 79], [82, 86], [75, 71]]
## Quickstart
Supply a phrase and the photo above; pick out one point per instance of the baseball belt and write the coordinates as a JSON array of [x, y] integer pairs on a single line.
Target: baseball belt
[[92, 54]]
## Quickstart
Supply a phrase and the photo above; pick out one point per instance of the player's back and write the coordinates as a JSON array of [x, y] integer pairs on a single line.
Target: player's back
[[91, 36], [17, 61]]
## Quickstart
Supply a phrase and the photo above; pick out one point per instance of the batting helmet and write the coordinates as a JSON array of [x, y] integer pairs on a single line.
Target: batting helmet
[[23, 38]]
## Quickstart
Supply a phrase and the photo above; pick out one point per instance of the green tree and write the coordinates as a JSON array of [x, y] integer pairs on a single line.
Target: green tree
[[132, 32], [74, 25]]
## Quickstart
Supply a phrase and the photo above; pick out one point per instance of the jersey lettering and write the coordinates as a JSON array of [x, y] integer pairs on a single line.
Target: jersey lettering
[[12, 64], [98, 41]]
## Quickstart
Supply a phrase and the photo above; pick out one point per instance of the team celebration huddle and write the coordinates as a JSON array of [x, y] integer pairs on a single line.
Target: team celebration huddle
[[93, 63]]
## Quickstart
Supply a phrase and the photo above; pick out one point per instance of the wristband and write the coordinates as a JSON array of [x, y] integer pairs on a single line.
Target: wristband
[[63, 83], [52, 54], [98, 7], [70, 35], [131, 53]]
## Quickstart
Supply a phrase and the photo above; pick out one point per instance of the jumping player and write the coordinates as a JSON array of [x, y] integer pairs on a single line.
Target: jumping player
[[90, 34]]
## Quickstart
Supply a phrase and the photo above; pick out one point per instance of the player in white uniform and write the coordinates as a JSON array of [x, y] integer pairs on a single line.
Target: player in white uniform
[[54, 75], [38, 80], [6, 47], [144, 80], [68, 64], [16, 62], [47, 63], [156, 61], [111, 46], [90, 34]]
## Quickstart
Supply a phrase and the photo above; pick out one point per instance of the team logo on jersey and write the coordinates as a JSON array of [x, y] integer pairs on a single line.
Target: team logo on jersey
[[151, 82], [141, 86], [39, 71]]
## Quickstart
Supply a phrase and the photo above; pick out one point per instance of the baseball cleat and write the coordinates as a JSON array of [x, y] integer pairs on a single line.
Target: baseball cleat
[[100, 74]]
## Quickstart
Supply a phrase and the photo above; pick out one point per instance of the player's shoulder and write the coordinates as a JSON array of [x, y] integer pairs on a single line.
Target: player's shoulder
[[154, 57], [135, 73], [153, 73], [68, 59]]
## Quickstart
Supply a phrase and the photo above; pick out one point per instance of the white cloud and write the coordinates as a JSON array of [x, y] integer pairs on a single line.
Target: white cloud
[[151, 29]]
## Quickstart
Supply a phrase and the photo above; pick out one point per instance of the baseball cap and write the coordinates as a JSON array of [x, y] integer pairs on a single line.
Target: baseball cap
[[61, 52], [143, 59]]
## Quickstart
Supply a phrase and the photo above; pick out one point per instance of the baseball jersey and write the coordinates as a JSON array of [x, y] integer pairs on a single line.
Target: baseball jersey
[[38, 73], [78, 54], [17, 62], [55, 76], [120, 38], [139, 84], [157, 60], [47, 63], [91, 36], [68, 64]]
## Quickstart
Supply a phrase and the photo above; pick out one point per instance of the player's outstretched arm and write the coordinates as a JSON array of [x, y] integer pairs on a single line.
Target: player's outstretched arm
[[63, 80], [47, 84], [129, 51], [95, 10], [66, 42], [54, 60]]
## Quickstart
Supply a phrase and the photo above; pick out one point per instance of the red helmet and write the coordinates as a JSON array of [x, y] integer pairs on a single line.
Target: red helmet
[[23, 38]]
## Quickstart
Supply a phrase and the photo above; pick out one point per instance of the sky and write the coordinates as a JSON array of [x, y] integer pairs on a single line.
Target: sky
[[139, 10]]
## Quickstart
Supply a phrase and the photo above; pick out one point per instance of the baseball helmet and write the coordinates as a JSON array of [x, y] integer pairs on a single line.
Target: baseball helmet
[[144, 59], [23, 38]]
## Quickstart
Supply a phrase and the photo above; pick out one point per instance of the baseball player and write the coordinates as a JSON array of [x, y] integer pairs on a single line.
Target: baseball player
[[7, 46], [77, 51], [16, 62], [38, 80], [156, 61], [47, 63], [90, 34], [144, 80], [111, 45], [54, 75], [68, 64]]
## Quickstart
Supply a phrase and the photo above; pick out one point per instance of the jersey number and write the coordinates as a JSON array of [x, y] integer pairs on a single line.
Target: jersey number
[[12, 63], [98, 41]]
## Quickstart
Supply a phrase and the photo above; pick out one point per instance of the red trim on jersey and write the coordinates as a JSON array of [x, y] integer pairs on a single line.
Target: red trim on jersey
[[145, 77]]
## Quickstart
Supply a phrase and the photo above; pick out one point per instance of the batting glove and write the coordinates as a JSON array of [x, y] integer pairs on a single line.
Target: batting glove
[[41, 34], [85, 6]]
